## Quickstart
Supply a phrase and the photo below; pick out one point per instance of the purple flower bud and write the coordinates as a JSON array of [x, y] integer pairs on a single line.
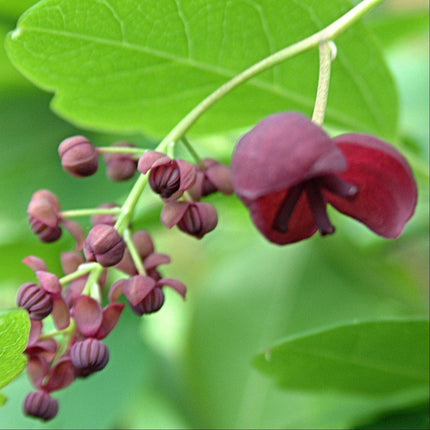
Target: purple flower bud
[[169, 178], [215, 176], [44, 217], [105, 219], [40, 404], [196, 219], [151, 303], [89, 356], [104, 245], [78, 156], [121, 166], [35, 300]]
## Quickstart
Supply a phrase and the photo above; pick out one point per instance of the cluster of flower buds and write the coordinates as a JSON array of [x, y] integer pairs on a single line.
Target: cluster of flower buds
[[172, 178], [72, 304]]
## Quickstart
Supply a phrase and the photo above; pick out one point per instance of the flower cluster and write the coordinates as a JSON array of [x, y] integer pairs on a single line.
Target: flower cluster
[[72, 315]]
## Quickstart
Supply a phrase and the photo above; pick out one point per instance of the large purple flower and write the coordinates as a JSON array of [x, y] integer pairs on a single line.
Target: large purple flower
[[286, 170]]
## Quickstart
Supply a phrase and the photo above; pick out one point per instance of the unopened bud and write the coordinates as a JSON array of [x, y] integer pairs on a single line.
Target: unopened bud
[[89, 356], [40, 404], [121, 166], [104, 245], [35, 300], [78, 156]]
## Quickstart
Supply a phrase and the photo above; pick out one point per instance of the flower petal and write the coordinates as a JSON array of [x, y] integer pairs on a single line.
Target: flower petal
[[301, 224], [137, 288], [111, 315], [172, 213], [387, 189], [219, 174], [155, 259], [116, 290], [35, 263], [49, 282], [282, 150], [88, 315], [62, 375], [37, 368], [187, 173], [176, 284], [60, 312], [147, 160]]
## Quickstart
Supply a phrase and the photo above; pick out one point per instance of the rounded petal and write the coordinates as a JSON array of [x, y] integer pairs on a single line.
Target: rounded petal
[[62, 375], [37, 368], [282, 150], [176, 284], [35, 263], [155, 259], [148, 159], [116, 290], [35, 331], [111, 315], [88, 315], [137, 288], [173, 212], [219, 174], [387, 189], [49, 282], [264, 210], [187, 173], [60, 312]]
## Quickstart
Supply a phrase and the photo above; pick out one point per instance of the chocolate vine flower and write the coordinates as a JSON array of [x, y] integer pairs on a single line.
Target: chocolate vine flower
[[215, 176], [194, 218], [89, 356], [40, 404], [167, 177], [144, 294], [104, 245], [79, 156], [286, 170]]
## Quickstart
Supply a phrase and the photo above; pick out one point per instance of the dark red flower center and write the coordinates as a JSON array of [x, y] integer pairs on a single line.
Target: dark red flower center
[[317, 202]]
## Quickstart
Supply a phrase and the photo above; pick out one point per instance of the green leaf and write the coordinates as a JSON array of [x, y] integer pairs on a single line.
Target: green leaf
[[371, 357], [14, 332], [141, 66]]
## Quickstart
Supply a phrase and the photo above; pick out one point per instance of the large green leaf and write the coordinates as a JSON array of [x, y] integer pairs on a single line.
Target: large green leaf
[[131, 65], [371, 357], [14, 331]]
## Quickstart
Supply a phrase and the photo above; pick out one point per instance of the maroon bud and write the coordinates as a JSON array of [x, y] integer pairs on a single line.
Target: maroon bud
[[121, 166], [196, 219], [108, 219], [169, 178], [151, 303], [89, 356], [144, 244], [79, 156], [215, 176], [44, 217], [104, 245], [164, 180], [35, 300], [40, 404]]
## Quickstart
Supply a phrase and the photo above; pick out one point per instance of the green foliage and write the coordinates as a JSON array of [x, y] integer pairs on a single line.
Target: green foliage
[[105, 62], [14, 331], [371, 357]]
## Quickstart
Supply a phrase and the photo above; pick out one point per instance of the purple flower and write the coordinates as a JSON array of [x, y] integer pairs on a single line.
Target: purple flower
[[121, 166], [167, 177], [40, 404], [89, 356], [194, 218], [286, 170]]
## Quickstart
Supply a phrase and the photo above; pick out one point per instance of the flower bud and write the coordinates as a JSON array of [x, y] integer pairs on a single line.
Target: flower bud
[[104, 245], [151, 303], [78, 156], [35, 300], [40, 404], [44, 215], [196, 218], [89, 356], [121, 166]]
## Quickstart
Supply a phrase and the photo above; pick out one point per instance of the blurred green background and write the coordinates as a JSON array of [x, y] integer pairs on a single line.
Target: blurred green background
[[189, 365]]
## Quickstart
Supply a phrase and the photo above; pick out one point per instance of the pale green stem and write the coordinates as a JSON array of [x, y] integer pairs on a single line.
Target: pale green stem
[[133, 252], [192, 151], [120, 150], [82, 270], [89, 212], [328, 33], [54, 333], [95, 273], [326, 57]]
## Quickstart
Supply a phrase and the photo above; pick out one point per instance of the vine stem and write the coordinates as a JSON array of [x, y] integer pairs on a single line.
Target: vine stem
[[328, 33], [89, 212], [327, 54]]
